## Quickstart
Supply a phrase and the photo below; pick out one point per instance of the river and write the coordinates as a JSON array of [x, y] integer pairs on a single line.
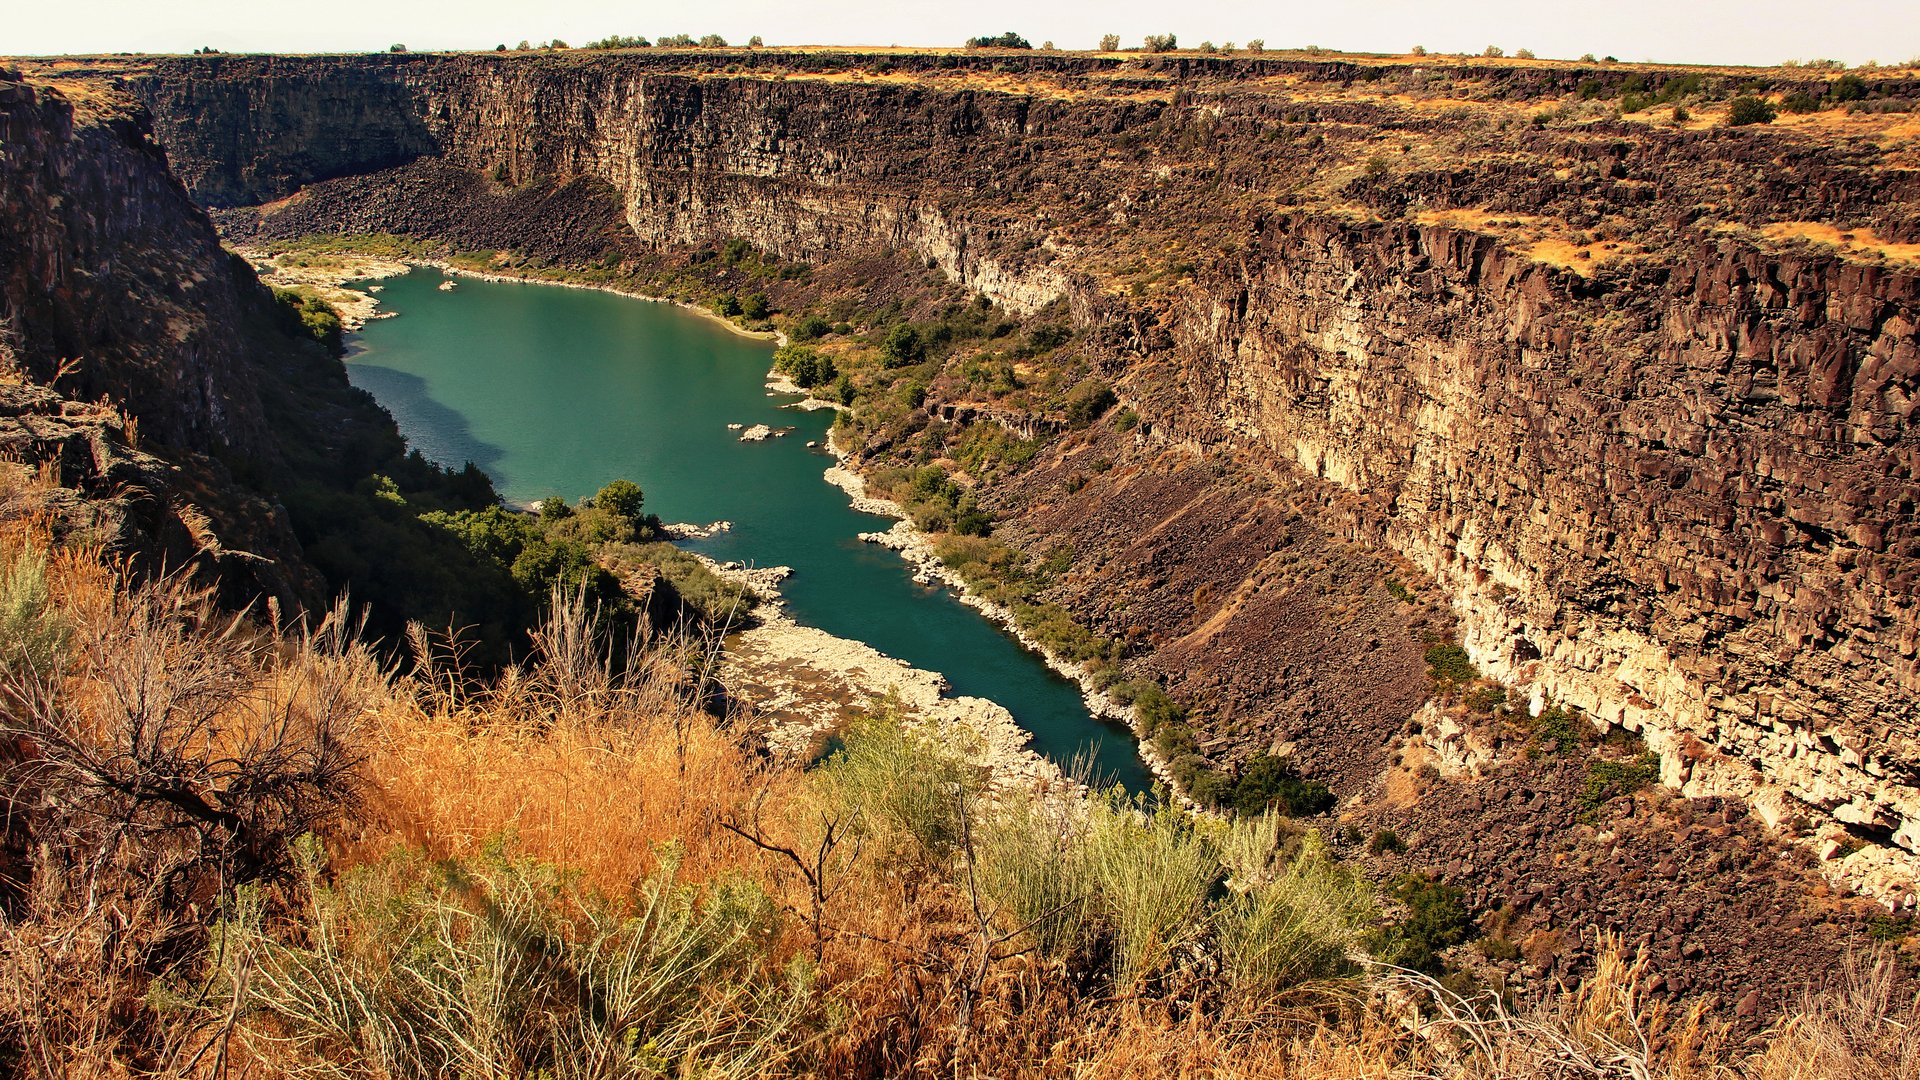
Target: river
[[555, 391]]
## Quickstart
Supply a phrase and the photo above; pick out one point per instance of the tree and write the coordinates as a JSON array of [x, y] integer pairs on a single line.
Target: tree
[[622, 497], [1109, 42], [811, 326], [754, 42], [805, 366], [1089, 402], [1844, 88], [712, 41], [756, 306], [1162, 42], [556, 43], [502, 47], [1493, 51], [727, 306], [1418, 50], [1748, 109], [1008, 40], [396, 48], [1256, 45], [903, 346]]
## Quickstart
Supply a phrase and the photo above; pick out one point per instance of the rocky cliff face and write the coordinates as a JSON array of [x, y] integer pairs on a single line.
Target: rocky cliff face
[[1570, 364], [1678, 497], [109, 270], [142, 364]]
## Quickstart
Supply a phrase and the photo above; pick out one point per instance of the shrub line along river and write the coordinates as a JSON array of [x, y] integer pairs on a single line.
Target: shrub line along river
[[556, 391]]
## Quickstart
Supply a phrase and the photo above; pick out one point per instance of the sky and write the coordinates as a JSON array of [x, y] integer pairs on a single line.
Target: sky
[[1670, 31]]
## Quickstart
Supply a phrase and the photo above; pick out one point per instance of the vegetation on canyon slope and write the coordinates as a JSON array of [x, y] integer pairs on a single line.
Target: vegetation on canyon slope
[[278, 855]]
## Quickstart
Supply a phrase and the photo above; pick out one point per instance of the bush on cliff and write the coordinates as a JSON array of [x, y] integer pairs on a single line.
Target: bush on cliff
[[312, 317], [1748, 109], [1267, 783], [1436, 919], [1089, 402]]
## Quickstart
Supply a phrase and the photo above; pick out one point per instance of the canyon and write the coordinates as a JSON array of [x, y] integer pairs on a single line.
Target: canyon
[[1420, 350]]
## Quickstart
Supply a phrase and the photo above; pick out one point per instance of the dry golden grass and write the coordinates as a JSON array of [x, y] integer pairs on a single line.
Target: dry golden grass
[[1849, 241], [603, 799]]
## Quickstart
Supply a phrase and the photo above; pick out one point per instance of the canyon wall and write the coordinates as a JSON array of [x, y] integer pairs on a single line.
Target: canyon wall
[[1679, 498], [108, 268], [1672, 487]]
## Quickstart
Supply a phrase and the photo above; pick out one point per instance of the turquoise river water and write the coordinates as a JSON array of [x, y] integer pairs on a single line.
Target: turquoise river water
[[555, 391]]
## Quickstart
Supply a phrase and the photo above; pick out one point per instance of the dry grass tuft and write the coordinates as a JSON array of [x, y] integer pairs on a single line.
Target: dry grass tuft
[[1863, 1027], [592, 764]]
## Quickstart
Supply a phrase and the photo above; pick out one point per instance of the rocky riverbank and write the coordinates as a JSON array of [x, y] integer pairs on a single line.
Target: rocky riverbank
[[326, 274], [917, 549], [806, 685]]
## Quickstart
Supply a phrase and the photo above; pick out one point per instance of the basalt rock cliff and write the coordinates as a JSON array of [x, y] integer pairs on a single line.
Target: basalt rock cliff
[[154, 401]]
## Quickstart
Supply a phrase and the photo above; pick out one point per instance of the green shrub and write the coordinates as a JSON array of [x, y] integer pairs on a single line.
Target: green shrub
[[1283, 926], [806, 366], [713, 599], [1437, 918], [1161, 42], [1386, 841], [1088, 402], [614, 41], [1848, 87], [1033, 864], [1008, 40], [310, 316], [1268, 783], [756, 306], [1485, 699], [1800, 103], [621, 497], [1889, 928], [505, 967], [910, 792], [810, 327], [903, 346], [1558, 725], [1748, 109], [1152, 706], [1449, 666], [33, 633], [1608, 779], [1154, 873], [726, 306]]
